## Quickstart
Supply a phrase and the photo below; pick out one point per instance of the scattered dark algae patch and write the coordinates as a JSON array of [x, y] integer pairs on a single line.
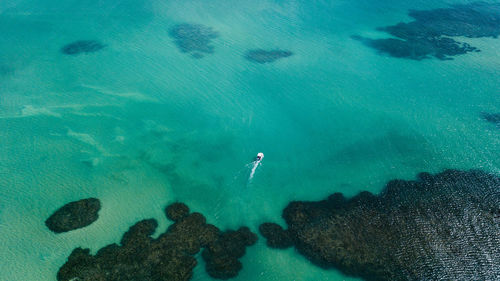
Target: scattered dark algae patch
[[429, 34], [74, 215], [417, 49], [169, 257], [82, 46], [444, 226], [194, 39], [263, 56], [491, 117]]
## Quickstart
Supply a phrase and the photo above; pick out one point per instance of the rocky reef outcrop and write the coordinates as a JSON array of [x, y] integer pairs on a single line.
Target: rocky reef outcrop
[[222, 255], [140, 257], [429, 34], [276, 236], [439, 227], [176, 211], [74, 215]]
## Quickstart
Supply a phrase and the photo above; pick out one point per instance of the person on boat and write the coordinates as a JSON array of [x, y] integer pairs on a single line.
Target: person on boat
[[259, 157]]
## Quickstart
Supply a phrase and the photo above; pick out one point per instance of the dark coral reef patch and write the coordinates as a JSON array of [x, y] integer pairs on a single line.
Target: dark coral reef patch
[[194, 39], [276, 236], [429, 34], [82, 46], [74, 215], [222, 256], [264, 56], [176, 211], [444, 226], [169, 257]]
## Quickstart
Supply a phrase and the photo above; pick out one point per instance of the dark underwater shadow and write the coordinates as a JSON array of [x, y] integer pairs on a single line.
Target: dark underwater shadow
[[263, 56], [493, 118], [432, 32], [82, 47]]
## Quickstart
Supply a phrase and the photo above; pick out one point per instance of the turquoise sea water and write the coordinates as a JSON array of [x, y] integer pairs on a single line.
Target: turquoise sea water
[[139, 124]]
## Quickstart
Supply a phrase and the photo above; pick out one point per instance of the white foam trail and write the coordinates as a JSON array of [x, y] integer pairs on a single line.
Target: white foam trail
[[252, 173]]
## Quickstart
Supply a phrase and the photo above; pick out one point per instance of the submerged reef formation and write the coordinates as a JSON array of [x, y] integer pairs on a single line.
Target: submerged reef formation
[[169, 257], [263, 56], [492, 118], [82, 46], [429, 34], [194, 39], [439, 227], [222, 256], [74, 215]]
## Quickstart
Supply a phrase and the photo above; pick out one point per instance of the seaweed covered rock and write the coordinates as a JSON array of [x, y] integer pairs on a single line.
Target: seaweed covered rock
[[276, 236], [444, 226], [74, 215], [140, 233], [194, 39], [190, 234], [429, 34], [169, 257], [264, 56], [222, 255], [177, 211], [82, 46]]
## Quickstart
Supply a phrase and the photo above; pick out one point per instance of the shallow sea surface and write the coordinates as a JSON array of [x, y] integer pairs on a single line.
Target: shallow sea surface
[[139, 124]]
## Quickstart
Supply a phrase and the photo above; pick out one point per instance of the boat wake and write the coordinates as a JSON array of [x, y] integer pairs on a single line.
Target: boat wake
[[255, 164]]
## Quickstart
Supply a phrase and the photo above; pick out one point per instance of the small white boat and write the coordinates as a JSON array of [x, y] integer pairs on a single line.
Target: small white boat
[[259, 157], [256, 163]]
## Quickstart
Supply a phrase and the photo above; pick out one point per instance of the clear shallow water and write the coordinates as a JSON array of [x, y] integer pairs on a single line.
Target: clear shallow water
[[140, 124]]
